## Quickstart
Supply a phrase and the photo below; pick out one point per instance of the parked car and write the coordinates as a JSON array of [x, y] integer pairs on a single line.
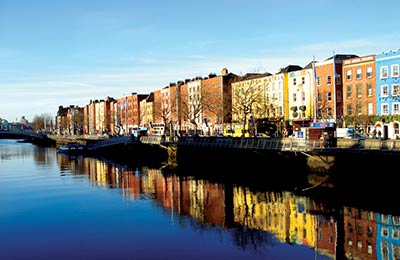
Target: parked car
[[262, 135], [356, 136]]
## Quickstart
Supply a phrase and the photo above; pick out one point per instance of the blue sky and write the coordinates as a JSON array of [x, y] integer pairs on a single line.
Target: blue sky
[[68, 52]]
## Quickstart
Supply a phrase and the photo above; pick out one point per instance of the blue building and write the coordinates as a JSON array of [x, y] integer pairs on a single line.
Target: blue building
[[387, 236], [388, 89]]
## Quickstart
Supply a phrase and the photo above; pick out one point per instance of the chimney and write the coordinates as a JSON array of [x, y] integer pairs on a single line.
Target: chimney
[[224, 71]]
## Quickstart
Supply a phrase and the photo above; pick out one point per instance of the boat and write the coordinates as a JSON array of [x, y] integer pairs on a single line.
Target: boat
[[72, 149]]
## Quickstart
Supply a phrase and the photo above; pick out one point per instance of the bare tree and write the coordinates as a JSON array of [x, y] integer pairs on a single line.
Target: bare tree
[[43, 122], [248, 102], [164, 110], [198, 107], [323, 106]]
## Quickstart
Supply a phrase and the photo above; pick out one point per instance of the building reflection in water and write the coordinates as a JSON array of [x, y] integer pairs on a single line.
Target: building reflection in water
[[257, 217]]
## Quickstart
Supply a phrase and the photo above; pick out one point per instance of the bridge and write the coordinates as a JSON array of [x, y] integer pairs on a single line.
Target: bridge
[[379, 146], [28, 135]]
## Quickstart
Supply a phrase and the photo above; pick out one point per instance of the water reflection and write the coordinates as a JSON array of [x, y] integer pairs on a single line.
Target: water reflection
[[9, 149], [257, 218]]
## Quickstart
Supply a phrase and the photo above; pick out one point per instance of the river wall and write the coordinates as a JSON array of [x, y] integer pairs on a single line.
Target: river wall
[[250, 166]]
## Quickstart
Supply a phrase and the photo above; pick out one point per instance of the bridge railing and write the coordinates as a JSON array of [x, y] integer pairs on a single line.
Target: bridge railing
[[111, 141], [151, 139], [278, 144], [26, 132], [293, 144], [251, 143]]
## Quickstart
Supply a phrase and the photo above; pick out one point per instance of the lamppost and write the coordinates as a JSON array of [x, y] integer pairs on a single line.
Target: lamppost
[[171, 128], [73, 120], [126, 115]]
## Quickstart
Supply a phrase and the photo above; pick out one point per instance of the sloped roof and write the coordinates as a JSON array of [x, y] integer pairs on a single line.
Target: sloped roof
[[248, 76], [150, 97], [310, 65], [342, 56], [290, 68]]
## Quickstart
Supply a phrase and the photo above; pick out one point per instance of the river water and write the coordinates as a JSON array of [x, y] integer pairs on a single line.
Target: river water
[[54, 206]]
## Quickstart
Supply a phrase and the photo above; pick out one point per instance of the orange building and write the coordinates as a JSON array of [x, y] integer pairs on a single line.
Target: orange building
[[359, 97], [129, 111], [360, 231], [329, 88]]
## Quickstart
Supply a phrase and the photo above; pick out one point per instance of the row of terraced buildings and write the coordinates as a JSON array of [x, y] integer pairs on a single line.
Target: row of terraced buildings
[[342, 86]]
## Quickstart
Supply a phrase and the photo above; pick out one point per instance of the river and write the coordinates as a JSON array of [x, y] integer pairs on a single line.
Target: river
[[54, 206]]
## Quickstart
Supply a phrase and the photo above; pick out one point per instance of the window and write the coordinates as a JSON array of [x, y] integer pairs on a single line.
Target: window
[[369, 247], [359, 229], [385, 250], [303, 96], [319, 99], [331, 238], [339, 112], [385, 109], [338, 79], [358, 73], [385, 232], [370, 231], [359, 90], [359, 213], [329, 112], [396, 220], [348, 75], [370, 216], [294, 82], [370, 109], [369, 72], [329, 79], [348, 91], [319, 113], [350, 242], [329, 96], [395, 71], [318, 81], [395, 90], [396, 128], [384, 219], [384, 91], [395, 234], [294, 97], [359, 245], [303, 80], [369, 89], [359, 108], [396, 251], [339, 95], [395, 108], [384, 72], [349, 110]]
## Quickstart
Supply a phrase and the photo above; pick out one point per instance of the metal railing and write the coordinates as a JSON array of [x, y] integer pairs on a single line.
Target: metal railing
[[284, 144], [110, 141], [277, 144]]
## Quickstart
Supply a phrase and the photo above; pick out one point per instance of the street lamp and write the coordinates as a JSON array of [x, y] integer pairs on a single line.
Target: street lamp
[[126, 120]]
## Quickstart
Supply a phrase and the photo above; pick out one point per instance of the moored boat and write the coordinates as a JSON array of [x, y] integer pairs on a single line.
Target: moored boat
[[72, 148]]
